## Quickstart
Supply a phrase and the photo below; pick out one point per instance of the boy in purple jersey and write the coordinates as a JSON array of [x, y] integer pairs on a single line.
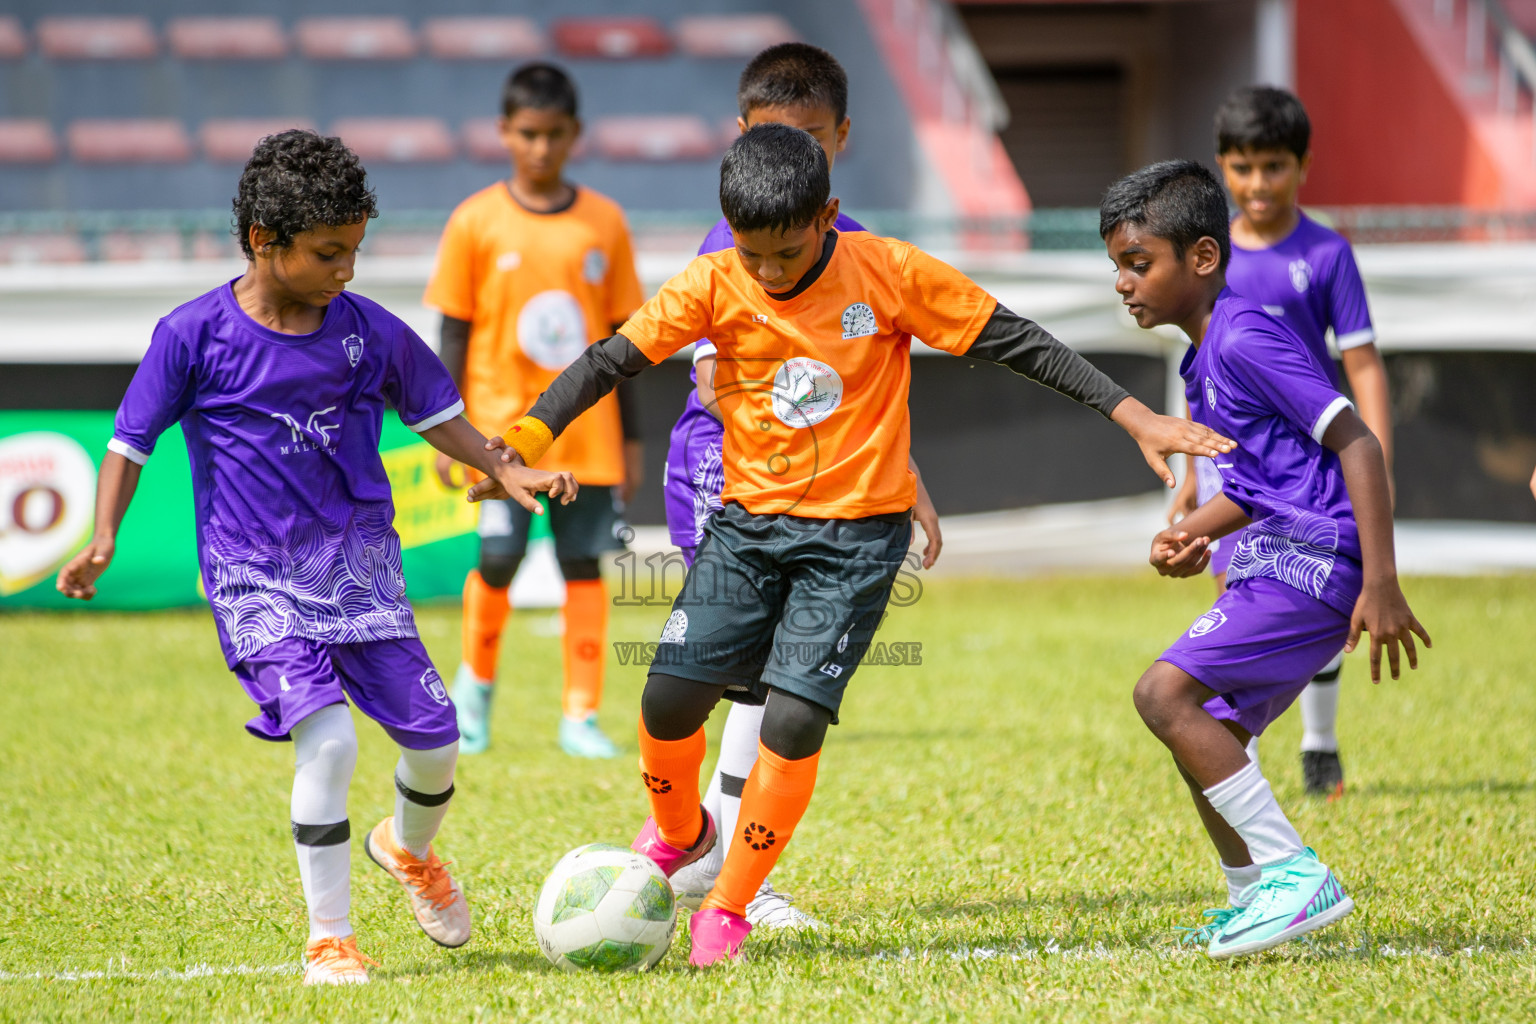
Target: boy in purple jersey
[[804, 87], [280, 380], [1315, 568], [1305, 274]]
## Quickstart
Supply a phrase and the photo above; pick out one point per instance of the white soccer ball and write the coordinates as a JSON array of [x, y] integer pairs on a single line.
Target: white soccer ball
[[605, 908]]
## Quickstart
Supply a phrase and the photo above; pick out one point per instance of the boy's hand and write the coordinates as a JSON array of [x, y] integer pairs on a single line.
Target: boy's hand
[[928, 518], [521, 484], [1383, 612], [1186, 500], [1162, 436], [78, 577], [1175, 554], [446, 467]]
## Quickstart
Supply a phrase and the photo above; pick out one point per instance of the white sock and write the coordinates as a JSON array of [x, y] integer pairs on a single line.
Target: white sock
[[324, 755], [1253, 749], [423, 787], [1245, 801], [738, 753], [1320, 709], [1239, 879]]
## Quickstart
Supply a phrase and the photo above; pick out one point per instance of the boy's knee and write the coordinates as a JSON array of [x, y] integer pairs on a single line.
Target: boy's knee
[[498, 567], [793, 727], [1151, 697], [673, 708], [580, 569]]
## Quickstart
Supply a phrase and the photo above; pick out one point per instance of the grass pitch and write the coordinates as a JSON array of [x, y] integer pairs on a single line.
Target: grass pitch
[[994, 834]]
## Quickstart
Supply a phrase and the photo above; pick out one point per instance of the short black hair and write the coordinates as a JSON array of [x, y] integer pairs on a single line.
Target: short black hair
[[793, 75], [298, 180], [1179, 200], [539, 86], [774, 178], [1262, 117]]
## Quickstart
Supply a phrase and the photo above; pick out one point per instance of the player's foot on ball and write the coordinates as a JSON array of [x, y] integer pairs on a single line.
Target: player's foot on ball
[[692, 883], [472, 702], [1293, 898], [580, 737], [773, 910], [336, 961], [1215, 919], [437, 900], [668, 857], [1322, 773], [716, 935]]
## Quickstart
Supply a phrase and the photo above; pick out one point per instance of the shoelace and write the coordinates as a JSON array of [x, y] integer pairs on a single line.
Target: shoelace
[[430, 879], [1201, 934], [327, 951]]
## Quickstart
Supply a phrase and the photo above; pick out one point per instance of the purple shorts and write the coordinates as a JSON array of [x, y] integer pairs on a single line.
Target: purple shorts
[[695, 436], [1221, 555], [391, 681], [1258, 647]]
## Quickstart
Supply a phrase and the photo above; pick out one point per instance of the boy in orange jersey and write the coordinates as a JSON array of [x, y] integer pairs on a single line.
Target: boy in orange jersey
[[813, 332], [530, 271]]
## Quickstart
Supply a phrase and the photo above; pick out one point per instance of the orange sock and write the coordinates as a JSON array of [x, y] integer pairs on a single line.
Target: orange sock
[[772, 803], [670, 769], [586, 630], [485, 615]]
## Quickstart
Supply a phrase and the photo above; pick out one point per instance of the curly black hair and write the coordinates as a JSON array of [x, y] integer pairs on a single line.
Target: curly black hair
[[296, 180]]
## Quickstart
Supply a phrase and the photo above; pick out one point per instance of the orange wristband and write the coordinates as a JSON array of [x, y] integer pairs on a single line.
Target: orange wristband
[[530, 438]]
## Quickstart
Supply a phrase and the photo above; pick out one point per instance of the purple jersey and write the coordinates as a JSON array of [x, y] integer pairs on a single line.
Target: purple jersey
[[295, 525], [1252, 380], [1310, 282]]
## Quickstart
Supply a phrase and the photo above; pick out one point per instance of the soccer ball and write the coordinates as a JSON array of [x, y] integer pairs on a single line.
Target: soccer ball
[[605, 908]]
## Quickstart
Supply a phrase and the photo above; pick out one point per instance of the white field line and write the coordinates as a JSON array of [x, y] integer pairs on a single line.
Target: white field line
[[121, 973], [1100, 952]]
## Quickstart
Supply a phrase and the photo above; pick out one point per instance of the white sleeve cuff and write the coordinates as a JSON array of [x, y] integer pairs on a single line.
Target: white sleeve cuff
[[440, 418], [127, 451], [1354, 339], [701, 348], [1327, 416]]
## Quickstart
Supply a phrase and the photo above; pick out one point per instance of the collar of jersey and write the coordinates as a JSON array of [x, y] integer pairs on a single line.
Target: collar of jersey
[[249, 323], [575, 194], [828, 245]]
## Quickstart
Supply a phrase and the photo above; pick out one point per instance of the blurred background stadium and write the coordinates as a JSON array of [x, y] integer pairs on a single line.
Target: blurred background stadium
[[982, 130]]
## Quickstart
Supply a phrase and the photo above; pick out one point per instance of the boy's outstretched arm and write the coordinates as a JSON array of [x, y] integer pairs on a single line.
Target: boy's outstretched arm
[[459, 440], [118, 479], [1381, 610], [927, 517], [1367, 376]]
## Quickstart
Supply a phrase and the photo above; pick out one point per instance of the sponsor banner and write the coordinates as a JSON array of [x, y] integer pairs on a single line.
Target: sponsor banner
[[48, 466]]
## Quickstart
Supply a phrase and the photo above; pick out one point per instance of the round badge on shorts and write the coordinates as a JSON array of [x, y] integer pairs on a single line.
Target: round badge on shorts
[[805, 392], [552, 329], [433, 684], [1207, 622]]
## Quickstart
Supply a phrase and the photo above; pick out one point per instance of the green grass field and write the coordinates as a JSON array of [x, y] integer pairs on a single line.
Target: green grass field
[[994, 835]]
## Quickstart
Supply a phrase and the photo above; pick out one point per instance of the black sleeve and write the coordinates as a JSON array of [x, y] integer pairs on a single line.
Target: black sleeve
[[1028, 349], [594, 373], [453, 346], [629, 410]]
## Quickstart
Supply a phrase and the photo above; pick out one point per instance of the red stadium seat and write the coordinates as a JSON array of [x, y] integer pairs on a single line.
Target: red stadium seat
[[97, 38], [27, 142], [231, 141], [56, 248], [731, 35], [676, 137], [612, 38], [482, 140], [227, 38], [139, 245], [397, 140], [482, 38], [135, 141], [356, 39], [13, 41]]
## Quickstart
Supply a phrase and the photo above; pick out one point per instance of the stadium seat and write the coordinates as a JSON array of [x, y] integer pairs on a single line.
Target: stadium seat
[[731, 35], [482, 141], [612, 38], [26, 141], [397, 140], [230, 141], [97, 38], [13, 40], [51, 248], [141, 245], [356, 39], [675, 137], [227, 38], [482, 38], [143, 140]]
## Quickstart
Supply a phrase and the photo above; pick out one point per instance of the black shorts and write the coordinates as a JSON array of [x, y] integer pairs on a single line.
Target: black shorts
[[783, 601], [587, 528]]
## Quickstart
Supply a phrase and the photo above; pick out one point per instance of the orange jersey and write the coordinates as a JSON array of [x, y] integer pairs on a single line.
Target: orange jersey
[[812, 388], [537, 288]]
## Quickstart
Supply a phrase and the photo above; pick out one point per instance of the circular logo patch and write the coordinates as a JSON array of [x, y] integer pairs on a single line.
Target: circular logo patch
[[47, 481], [594, 266], [552, 329], [433, 684], [676, 629], [805, 392], [1210, 393], [859, 321]]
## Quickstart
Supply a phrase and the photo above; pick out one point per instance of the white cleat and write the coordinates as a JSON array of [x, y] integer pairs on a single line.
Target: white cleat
[[691, 883], [336, 961], [437, 901], [773, 910]]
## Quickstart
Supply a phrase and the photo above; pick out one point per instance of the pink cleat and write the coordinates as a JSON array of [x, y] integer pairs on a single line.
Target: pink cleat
[[668, 857], [717, 935]]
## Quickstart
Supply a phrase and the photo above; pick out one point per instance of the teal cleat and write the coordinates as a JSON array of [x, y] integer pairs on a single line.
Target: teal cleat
[[1294, 897], [472, 700], [1201, 935], [580, 737]]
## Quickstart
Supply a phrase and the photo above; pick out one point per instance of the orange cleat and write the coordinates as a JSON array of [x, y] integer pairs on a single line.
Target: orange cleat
[[336, 961], [437, 900]]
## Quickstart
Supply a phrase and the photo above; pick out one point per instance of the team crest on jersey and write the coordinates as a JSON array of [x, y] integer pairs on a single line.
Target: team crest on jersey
[[353, 344], [806, 391], [552, 329], [859, 321], [1210, 393], [1211, 620], [676, 629], [594, 266], [433, 684], [509, 260], [1301, 274]]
